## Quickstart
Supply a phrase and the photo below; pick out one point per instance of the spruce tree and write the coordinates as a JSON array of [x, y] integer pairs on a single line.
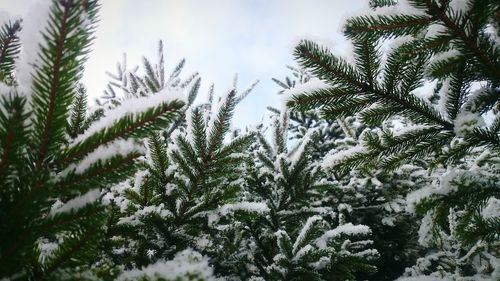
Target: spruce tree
[[450, 44], [182, 198], [375, 200], [300, 237], [55, 159]]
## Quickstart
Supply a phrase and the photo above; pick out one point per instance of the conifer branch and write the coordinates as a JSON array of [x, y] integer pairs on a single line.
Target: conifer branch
[[9, 47], [82, 241], [54, 83], [12, 130], [471, 44], [126, 126], [326, 66], [390, 25], [221, 124], [107, 172]]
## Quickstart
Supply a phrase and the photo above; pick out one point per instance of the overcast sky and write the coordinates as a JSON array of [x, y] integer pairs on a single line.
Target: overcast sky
[[218, 38]]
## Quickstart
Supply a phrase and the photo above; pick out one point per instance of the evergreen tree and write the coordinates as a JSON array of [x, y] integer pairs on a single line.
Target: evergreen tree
[[299, 238], [55, 160], [451, 44], [188, 187], [375, 200]]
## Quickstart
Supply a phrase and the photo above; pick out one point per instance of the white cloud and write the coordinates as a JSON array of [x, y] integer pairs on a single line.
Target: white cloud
[[217, 37]]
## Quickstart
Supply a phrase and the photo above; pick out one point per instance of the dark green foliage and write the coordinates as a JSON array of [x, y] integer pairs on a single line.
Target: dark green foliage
[[453, 47], [52, 168], [294, 240], [78, 121], [354, 91], [9, 49], [373, 200], [186, 178], [53, 83]]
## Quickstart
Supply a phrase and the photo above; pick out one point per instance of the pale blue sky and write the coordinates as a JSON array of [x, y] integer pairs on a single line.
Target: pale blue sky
[[218, 38]]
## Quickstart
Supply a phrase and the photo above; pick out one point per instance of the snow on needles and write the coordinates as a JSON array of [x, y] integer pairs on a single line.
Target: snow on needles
[[424, 278], [231, 208], [310, 222], [492, 209], [31, 39], [251, 207], [336, 157], [347, 229], [300, 149], [134, 106], [184, 266], [76, 203], [445, 186], [311, 85], [466, 122], [118, 147]]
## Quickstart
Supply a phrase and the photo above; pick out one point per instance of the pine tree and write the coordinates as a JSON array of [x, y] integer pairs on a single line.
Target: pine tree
[[300, 237], [188, 186], [55, 159], [452, 44], [375, 200]]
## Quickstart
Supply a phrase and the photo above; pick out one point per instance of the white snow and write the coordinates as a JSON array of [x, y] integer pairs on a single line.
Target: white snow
[[254, 207], [466, 122], [313, 84], [139, 179], [203, 242], [445, 181], [416, 196], [389, 221], [424, 278], [347, 229], [335, 158], [303, 251], [401, 130], [444, 187], [133, 106], [426, 90], [221, 102], [321, 263], [443, 98], [305, 229], [102, 153], [297, 153], [77, 202], [424, 232], [159, 209], [189, 126], [492, 209], [183, 265], [459, 5], [150, 253], [491, 31], [447, 55], [46, 248], [435, 29], [31, 39]]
